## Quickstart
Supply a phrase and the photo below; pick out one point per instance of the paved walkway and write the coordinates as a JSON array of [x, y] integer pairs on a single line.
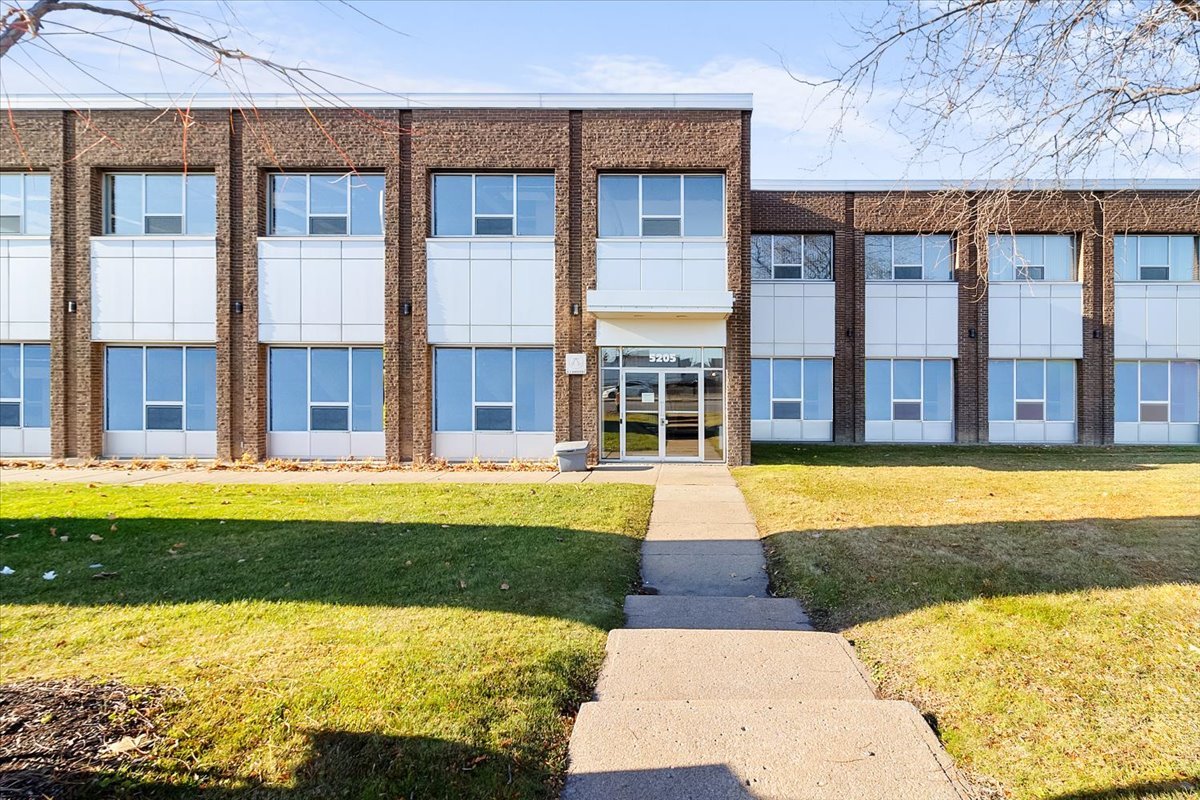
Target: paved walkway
[[716, 690], [606, 473]]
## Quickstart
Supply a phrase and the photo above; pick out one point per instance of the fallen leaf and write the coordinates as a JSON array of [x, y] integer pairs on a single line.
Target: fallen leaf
[[124, 745], [13, 536], [113, 527], [110, 515], [49, 576], [54, 531], [95, 537], [100, 576], [504, 586], [64, 538], [462, 584], [7, 571]]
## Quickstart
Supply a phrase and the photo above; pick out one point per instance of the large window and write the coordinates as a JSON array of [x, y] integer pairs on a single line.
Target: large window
[[493, 389], [791, 389], [1158, 391], [794, 257], [325, 204], [924, 257], [1157, 258], [493, 205], [1032, 257], [910, 389], [160, 203], [160, 389], [1031, 390], [24, 386], [662, 205], [24, 203], [326, 389]]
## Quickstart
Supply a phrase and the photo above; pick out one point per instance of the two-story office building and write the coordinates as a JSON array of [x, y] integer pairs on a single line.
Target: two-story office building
[[482, 276]]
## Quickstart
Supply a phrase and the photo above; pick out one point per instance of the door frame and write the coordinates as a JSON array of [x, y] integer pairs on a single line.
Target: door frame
[[661, 374]]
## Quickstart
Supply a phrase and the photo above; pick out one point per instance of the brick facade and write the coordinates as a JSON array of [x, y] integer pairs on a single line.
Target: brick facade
[[408, 146]]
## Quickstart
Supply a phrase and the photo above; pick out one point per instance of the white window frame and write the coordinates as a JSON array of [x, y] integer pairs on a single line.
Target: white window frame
[[803, 257], [511, 404], [309, 216], [682, 217], [108, 183], [474, 176], [1021, 267], [19, 398], [1139, 237], [21, 229], [1043, 399], [892, 400], [309, 403], [1170, 387], [772, 399], [181, 403], [924, 237]]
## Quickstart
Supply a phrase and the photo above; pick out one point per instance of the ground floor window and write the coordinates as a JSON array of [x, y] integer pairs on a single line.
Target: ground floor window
[[791, 389], [326, 389], [493, 389], [1031, 390], [24, 386], [160, 389], [910, 389], [1158, 391]]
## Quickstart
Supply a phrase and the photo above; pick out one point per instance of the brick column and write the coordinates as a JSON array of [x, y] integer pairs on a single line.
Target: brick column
[[848, 302], [1095, 382], [970, 366]]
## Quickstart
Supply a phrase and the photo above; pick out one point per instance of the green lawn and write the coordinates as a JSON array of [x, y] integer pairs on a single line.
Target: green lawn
[[1042, 604], [349, 641]]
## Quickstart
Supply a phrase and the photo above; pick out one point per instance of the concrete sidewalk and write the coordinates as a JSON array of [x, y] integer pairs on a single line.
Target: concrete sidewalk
[[648, 474], [717, 690]]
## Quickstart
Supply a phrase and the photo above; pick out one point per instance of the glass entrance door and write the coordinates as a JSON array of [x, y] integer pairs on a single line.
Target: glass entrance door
[[662, 414], [681, 414], [642, 419]]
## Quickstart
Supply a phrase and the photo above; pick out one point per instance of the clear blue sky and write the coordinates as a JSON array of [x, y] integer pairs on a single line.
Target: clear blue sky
[[542, 46]]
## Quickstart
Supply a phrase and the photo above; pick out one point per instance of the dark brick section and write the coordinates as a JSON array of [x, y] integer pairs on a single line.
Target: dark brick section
[[1093, 218]]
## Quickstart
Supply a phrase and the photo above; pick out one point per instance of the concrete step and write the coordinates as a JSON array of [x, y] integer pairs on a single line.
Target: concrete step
[[877, 750], [706, 531], [672, 664], [715, 613], [705, 574]]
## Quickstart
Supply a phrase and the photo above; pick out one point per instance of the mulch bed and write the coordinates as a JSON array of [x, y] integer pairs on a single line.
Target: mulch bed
[[58, 739]]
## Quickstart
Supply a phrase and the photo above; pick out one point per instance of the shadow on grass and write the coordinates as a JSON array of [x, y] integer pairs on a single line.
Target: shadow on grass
[[850, 576], [995, 458], [533, 570], [1138, 791], [338, 764]]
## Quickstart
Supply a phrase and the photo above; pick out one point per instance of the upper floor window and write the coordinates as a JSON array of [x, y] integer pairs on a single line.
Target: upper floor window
[[1156, 258], [493, 205], [24, 203], [662, 205], [160, 203], [1032, 257], [910, 257], [807, 257], [325, 204]]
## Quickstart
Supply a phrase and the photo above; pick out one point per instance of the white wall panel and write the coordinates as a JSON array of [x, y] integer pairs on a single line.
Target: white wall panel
[[499, 447], [25, 287], [31, 442], [320, 291], [1157, 320], [792, 318], [1029, 319], [326, 445], [490, 291], [791, 431], [1156, 433], [689, 272], [161, 289], [909, 431], [1031, 432], [157, 444], [914, 320]]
